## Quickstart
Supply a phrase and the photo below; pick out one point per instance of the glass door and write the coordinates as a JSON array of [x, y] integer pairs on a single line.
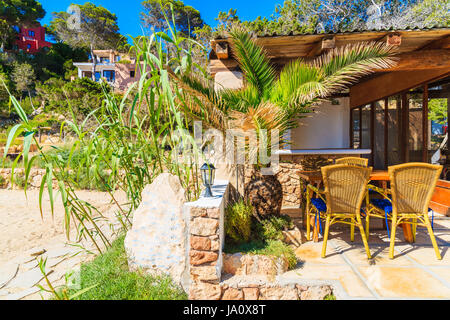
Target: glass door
[[438, 113]]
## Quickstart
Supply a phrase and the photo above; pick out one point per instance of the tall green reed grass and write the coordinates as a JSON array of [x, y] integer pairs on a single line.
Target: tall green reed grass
[[135, 139]]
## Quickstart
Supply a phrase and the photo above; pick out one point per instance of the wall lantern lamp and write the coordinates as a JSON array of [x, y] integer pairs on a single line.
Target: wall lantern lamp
[[208, 174]]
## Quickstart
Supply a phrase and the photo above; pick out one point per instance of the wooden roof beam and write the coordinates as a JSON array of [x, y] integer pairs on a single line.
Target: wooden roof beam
[[221, 48], [442, 43], [392, 39], [421, 60], [327, 43]]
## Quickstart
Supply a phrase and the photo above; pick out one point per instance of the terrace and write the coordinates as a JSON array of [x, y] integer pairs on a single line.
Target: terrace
[[385, 118]]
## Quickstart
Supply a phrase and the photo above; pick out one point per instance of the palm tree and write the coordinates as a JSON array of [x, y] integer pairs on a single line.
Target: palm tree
[[274, 102]]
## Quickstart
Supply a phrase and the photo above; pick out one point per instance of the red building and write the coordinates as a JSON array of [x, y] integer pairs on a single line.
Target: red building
[[31, 40]]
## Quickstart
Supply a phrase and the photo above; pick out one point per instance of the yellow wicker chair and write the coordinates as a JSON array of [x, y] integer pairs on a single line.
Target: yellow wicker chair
[[353, 161], [412, 186], [345, 188]]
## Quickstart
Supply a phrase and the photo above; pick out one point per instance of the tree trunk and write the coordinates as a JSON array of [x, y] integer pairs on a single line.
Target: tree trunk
[[31, 101], [265, 194], [94, 63]]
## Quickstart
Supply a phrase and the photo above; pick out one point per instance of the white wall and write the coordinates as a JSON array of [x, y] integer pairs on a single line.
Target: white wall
[[327, 128]]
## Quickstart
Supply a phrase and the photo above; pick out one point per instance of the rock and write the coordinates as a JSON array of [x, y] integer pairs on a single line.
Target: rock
[[233, 294], [238, 264], [157, 241], [232, 263], [251, 293], [201, 243], [214, 213], [204, 291], [294, 236], [316, 293], [215, 245], [228, 80], [204, 227], [202, 257], [36, 181], [208, 273], [278, 293]]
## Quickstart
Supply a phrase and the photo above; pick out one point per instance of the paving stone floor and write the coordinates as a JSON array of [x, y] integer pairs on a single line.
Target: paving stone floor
[[415, 273]]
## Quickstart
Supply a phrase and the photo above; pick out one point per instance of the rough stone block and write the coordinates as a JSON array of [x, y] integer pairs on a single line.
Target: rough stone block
[[278, 293], [205, 291], [208, 273], [251, 293], [198, 212], [204, 227], [202, 257], [232, 294], [157, 241], [214, 213], [200, 243], [316, 293]]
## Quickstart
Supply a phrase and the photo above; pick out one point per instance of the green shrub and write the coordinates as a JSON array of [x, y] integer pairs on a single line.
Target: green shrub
[[238, 221], [272, 227], [19, 180], [279, 249], [273, 248]]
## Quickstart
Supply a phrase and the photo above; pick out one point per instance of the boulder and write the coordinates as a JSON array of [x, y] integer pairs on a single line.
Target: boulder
[[158, 239]]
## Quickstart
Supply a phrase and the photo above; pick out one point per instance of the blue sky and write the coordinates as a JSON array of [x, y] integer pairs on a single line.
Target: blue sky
[[128, 11]]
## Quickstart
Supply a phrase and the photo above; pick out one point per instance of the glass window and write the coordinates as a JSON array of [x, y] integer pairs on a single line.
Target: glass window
[[394, 129], [415, 132], [379, 148], [109, 75], [31, 33], [132, 74], [438, 101], [365, 127], [355, 128], [97, 76]]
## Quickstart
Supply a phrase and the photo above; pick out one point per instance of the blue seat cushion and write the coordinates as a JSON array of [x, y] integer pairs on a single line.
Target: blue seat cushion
[[319, 204], [382, 204]]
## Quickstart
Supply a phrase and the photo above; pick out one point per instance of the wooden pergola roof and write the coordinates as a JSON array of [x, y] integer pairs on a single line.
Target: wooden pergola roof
[[423, 55], [282, 49]]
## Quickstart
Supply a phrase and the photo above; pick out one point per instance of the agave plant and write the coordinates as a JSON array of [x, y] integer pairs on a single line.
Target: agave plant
[[271, 101]]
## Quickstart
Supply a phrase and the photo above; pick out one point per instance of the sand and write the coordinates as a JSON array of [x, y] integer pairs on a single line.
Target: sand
[[23, 229]]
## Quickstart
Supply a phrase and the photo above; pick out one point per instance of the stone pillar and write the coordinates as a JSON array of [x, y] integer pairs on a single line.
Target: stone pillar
[[206, 240]]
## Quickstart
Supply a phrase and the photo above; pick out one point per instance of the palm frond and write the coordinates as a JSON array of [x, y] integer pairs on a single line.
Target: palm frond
[[299, 82], [200, 100], [343, 66], [253, 61], [241, 99]]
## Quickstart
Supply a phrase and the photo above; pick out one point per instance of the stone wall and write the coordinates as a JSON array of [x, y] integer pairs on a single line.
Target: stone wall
[[206, 241], [287, 174], [35, 178], [214, 275]]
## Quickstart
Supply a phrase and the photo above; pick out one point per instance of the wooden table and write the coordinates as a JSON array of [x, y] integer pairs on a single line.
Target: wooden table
[[315, 178]]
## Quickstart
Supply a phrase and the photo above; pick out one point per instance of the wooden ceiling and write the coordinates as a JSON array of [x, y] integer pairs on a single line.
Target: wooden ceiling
[[282, 49], [302, 45]]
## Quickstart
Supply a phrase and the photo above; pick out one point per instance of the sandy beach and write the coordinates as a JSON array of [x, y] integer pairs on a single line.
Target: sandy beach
[[21, 225]]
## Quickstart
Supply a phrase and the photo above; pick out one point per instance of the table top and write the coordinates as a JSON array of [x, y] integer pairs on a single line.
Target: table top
[[314, 176]]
